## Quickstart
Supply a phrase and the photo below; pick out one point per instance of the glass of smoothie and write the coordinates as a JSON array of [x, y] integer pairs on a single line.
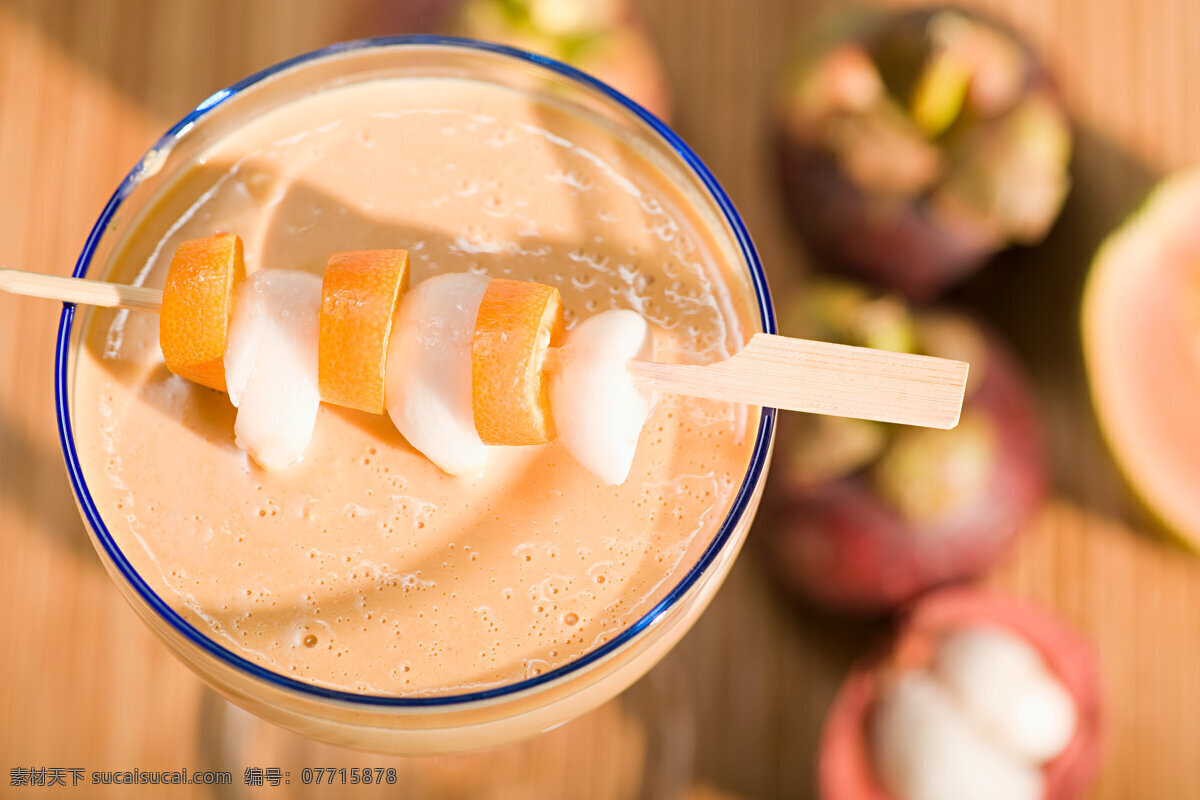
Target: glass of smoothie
[[363, 597]]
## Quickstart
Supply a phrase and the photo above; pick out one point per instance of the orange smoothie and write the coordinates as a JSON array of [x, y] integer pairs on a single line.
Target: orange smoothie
[[365, 568]]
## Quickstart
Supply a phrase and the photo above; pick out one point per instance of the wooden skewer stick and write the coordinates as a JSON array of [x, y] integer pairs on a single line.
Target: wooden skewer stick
[[78, 290], [772, 371]]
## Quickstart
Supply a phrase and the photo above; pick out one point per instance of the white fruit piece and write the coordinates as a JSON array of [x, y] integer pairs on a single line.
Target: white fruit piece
[[271, 365], [1002, 683], [428, 389], [598, 409], [925, 749]]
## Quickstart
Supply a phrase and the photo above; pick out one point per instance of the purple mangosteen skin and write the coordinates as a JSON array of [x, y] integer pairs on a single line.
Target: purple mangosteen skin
[[906, 249]]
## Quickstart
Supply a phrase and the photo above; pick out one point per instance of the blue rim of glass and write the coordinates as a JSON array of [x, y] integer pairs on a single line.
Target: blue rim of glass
[[758, 461]]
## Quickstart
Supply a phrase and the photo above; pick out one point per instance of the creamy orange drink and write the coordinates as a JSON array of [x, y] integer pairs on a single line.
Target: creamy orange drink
[[365, 569]]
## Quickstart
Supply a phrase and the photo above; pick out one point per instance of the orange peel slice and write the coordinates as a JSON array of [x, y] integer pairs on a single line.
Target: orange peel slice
[[359, 294], [197, 304], [516, 323]]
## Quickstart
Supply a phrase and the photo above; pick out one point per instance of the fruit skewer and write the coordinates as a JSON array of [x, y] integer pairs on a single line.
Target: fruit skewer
[[773, 371], [473, 361]]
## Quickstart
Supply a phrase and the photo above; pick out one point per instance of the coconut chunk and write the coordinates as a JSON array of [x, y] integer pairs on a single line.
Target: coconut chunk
[[598, 409], [1002, 683], [271, 365], [428, 390]]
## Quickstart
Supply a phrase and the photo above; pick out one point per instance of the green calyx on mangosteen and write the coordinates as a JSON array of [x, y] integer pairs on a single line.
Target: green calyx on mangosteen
[[909, 466], [926, 476], [915, 145]]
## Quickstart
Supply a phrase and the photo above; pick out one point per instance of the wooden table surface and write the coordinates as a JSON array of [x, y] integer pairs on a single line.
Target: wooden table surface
[[87, 85]]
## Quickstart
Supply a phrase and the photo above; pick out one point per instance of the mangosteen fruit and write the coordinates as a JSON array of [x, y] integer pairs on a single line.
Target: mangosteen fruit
[[863, 516], [915, 145], [978, 696]]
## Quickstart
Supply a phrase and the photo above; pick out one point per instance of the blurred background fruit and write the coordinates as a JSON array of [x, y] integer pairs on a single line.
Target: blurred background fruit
[[605, 38], [977, 696], [863, 516], [914, 145], [1141, 337]]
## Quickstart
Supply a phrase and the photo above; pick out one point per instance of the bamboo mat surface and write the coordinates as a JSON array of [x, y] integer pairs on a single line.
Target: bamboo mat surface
[[735, 711]]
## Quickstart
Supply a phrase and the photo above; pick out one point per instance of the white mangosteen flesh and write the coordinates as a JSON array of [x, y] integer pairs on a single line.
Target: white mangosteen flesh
[[978, 724], [925, 749], [1002, 683]]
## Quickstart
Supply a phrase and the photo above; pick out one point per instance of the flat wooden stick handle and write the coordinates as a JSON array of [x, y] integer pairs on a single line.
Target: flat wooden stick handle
[[79, 290], [824, 378]]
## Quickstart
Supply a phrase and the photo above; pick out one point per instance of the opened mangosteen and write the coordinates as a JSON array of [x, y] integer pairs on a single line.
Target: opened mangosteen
[[978, 696], [915, 145], [863, 516]]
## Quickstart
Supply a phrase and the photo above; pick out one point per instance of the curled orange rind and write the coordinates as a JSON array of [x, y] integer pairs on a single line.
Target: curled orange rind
[[516, 324]]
